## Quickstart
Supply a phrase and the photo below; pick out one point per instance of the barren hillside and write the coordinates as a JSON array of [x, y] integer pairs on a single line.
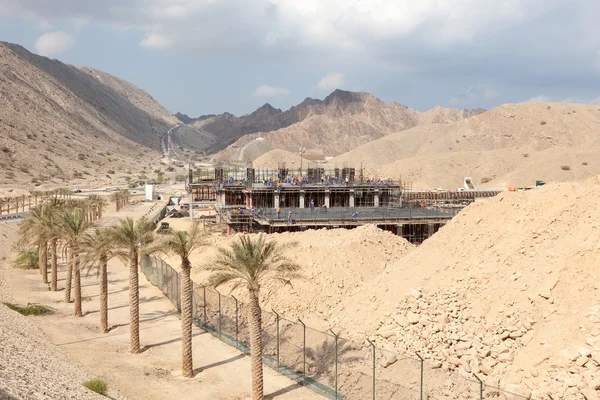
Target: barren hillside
[[337, 124], [58, 121], [511, 144]]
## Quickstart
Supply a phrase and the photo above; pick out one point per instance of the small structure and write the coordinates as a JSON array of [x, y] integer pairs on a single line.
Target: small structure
[[151, 193]]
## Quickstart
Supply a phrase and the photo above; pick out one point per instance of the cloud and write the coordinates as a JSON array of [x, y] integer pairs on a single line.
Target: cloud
[[539, 99], [595, 101], [475, 94], [270, 91], [155, 41], [52, 43], [331, 81]]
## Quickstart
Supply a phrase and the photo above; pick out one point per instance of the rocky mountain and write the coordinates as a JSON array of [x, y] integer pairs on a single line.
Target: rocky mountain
[[511, 144], [340, 122], [58, 121]]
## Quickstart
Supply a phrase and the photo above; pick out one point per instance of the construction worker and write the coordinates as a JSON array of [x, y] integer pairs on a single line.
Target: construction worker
[[355, 214], [277, 211], [324, 208], [312, 205], [289, 221]]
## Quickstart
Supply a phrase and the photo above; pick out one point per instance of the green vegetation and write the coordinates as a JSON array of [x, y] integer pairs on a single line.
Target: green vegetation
[[26, 259], [97, 385], [30, 309]]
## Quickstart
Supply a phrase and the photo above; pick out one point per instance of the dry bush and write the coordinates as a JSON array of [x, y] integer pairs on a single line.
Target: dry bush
[[543, 123], [565, 167]]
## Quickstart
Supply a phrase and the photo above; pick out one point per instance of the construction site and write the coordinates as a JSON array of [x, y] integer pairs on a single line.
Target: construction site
[[279, 200]]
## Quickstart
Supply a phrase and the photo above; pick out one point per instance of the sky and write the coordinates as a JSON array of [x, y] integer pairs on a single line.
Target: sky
[[211, 56]]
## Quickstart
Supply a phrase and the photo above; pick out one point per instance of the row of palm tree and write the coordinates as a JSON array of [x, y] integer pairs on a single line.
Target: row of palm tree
[[121, 198], [247, 263], [18, 203]]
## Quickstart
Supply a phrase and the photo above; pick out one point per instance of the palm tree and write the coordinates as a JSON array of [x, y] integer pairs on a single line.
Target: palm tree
[[182, 244], [53, 233], [2, 202], [98, 202], [127, 236], [250, 263], [73, 227], [33, 230], [117, 197], [98, 250]]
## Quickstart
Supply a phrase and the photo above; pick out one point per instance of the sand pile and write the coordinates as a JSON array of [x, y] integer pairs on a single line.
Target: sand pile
[[31, 367], [510, 291]]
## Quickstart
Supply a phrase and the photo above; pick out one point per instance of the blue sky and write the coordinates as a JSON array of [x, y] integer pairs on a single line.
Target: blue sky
[[211, 56]]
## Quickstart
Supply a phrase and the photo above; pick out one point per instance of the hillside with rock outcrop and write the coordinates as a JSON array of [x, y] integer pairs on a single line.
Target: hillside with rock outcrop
[[59, 122], [511, 144], [340, 122]]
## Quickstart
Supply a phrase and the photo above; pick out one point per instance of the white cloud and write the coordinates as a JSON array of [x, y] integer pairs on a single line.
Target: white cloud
[[155, 41], [52, 43], [474, 94], [595, 101], [331, 81], [270, 91], [43, 25], [539, 99]]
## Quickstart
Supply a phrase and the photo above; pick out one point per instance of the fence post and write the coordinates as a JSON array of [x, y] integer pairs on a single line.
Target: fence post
[[219, 313], [303, 352], [237, 343], [421, 358], [277, 319], [205, 323], [373, 346], [336, 362], [480, 387]]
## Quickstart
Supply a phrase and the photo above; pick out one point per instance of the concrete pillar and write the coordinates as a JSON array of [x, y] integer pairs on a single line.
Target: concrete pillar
[[399, 229], [351, 204], [301, 199], [249, 200], [327, 198], [430, 230], [376, 199], [276, 200]]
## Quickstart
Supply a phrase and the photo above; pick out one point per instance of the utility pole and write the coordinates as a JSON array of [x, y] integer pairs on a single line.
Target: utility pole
[[301, 151]]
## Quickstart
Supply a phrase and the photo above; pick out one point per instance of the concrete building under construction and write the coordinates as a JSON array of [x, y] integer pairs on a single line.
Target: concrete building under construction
[[279, 200]]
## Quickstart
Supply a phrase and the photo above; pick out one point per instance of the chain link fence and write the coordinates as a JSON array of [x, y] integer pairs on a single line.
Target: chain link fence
[[334, 367]]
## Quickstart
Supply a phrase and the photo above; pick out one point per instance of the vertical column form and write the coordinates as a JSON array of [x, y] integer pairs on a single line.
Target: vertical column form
[[327, 198], [351, 204], [376, 199], [276, 200], [430, 230], [399, 228], [302, 199]]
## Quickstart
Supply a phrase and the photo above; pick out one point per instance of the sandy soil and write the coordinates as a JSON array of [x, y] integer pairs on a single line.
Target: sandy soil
[[223, 373]]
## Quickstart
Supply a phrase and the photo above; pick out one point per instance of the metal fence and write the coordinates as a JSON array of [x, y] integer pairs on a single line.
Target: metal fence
[[332, 366]]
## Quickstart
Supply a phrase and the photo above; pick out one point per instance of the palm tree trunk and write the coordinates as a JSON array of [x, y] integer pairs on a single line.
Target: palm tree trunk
[[44, 262], [39, 251], [77, 287], [100, 211], [69, 276], [103, 295], [134, 305], [255, 318], [54, 266], [187, 362]]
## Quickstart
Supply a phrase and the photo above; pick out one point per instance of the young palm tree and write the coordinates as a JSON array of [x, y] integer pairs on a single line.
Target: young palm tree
[[33, 230], [98, 202], [127, 237], [182, 244], [250, 263], [73, 227], [98, 250], [53, 234]]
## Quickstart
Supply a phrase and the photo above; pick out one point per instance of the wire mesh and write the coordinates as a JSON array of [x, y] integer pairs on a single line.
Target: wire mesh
[[337, 369]]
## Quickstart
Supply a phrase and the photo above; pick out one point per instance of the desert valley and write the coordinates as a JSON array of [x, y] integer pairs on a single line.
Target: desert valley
[[345, 248]]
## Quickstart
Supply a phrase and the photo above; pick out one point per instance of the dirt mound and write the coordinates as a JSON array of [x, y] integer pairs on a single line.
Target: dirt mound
[[274, 157], [509, 291]]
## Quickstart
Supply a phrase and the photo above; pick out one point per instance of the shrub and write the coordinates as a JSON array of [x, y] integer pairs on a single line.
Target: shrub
[[170, 169], [81, 156], [96, 385], [525, 155], [543, 123], [30, 309], [110, 171], [565, 167], [584, 163], [5, 149], [485, 180], [26, 259]]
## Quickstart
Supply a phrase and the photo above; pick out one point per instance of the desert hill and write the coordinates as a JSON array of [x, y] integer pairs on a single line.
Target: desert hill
[[511, 144], [340, 122], [58, 121]]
